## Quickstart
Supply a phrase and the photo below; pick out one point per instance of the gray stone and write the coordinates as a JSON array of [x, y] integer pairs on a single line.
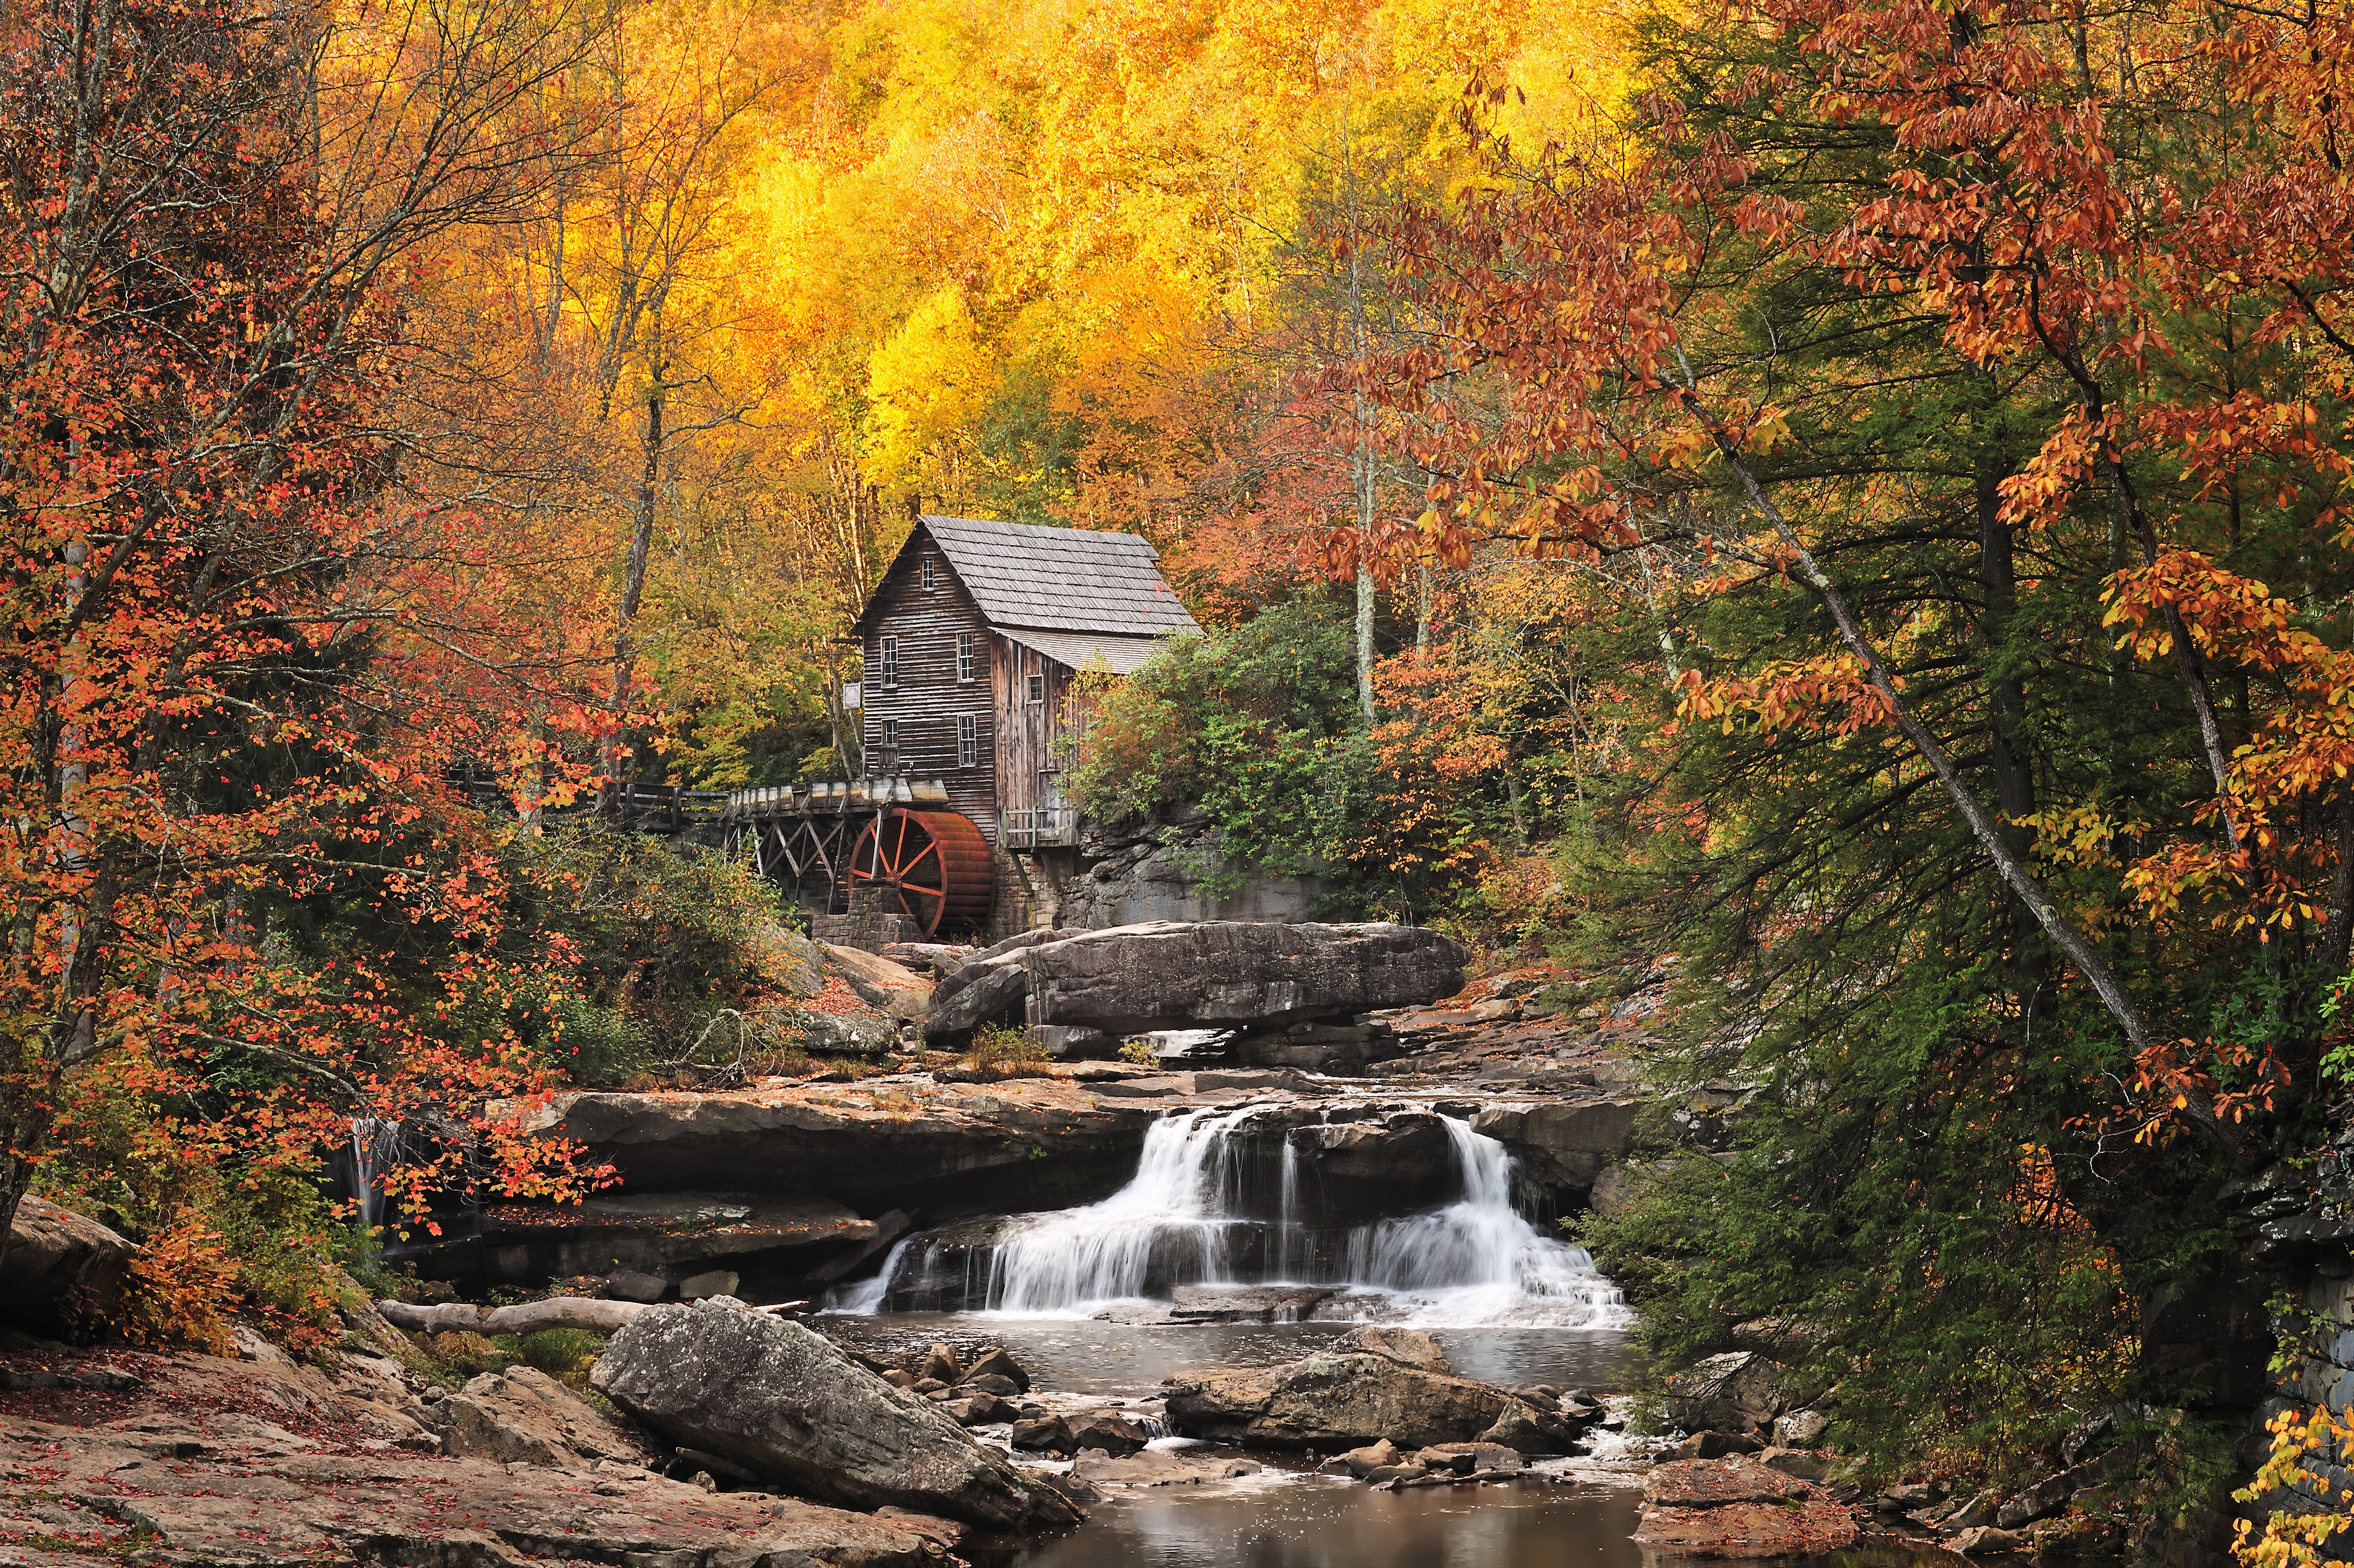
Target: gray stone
[[2051, 1495], [653, 1233], [716, 1282], [1407, 1347], [1045, 1434], [628, 1285], [525, 1417], [1334, 1399], [995, 1363], [786, 1403], [1728, 1391], [1976, 1513], [1800, 1428], [1563, 1145], [1136, 979], [900, 993], [1114, 1433], [1802, 1463], [58, 1265], [1168, 881]]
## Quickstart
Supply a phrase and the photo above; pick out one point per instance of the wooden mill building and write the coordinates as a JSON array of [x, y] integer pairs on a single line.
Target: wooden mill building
[[975, 643]]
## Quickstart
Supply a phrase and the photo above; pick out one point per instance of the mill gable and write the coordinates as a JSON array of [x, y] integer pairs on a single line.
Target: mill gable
[[973, 644]]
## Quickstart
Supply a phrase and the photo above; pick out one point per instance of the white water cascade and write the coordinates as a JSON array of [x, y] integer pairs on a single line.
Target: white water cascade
[[1177, 1206], [1181, 1220]]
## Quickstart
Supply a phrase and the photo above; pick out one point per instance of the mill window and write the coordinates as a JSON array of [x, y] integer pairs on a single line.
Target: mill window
[[890, 663], [1037, 688], [964, 655], [967, 742], [927, 574], [890, 734]]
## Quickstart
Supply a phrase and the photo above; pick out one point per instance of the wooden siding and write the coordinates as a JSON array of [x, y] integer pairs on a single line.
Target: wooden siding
[[928, 699], [1035, 741]]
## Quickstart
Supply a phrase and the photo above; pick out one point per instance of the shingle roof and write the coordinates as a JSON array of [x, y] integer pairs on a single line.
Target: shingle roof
[[1092, 649], [1060, 579]]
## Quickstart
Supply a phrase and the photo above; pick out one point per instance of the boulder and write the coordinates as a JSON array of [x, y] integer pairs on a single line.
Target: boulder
[[995, 1363], [2051, 1495], [57, 1266], [523, 1416], [1114, 1433], [1726, 1392], [629, 1285], [1407, 1347], [1045, 1434], [1246, 1304], [1531, 1429], [1986, 1541], [785, 1403], [1334, 1399], [1563, 1146], [940, 1364], [1375, 1457], [1800, 1428], [1131, 980], [1979, 1511], [1714, 1446], [1738, 1507], [901, 993], [986, 1409]]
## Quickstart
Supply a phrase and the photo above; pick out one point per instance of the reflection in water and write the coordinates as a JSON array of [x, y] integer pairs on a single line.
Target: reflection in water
[[1323, 1523], [1083, 1356]]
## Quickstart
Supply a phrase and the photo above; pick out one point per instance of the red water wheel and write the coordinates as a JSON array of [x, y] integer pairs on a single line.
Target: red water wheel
[[935, 864]]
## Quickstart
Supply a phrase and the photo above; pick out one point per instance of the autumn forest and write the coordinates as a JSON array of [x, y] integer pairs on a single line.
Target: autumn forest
[[1839, 508]]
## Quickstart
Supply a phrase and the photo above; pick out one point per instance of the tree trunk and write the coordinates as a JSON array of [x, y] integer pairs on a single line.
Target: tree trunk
[[633, 588]]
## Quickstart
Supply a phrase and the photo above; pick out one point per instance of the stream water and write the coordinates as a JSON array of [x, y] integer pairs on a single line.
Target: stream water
[[1507, 1302], [1193, 1216]]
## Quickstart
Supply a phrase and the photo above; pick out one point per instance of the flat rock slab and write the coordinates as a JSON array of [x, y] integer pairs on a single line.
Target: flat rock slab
[[254, 1463], [1737, 1508], [862, 1142]]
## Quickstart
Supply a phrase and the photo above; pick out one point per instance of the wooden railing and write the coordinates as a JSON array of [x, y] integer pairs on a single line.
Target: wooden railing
[[1041, 827]]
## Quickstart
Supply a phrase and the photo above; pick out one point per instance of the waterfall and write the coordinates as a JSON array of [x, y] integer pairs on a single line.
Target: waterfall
[[1479, 1260], [1287, 1212], [1185, 1219], [865, 1298], [1175, 1212]]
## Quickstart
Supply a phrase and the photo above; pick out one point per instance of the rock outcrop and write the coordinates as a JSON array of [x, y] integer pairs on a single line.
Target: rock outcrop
[[900, 993], [1566, 1145], [656, 1232], [523, 1416], [1003, 1144], [1172, 975], [182, 1461], [58, 1265], [1343, 1399], [787, 1405], [1730, 1392], [1738, 1508]]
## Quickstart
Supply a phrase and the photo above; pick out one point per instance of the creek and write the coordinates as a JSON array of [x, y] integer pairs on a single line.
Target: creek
[[1218, 1212], [1218, 1201]]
